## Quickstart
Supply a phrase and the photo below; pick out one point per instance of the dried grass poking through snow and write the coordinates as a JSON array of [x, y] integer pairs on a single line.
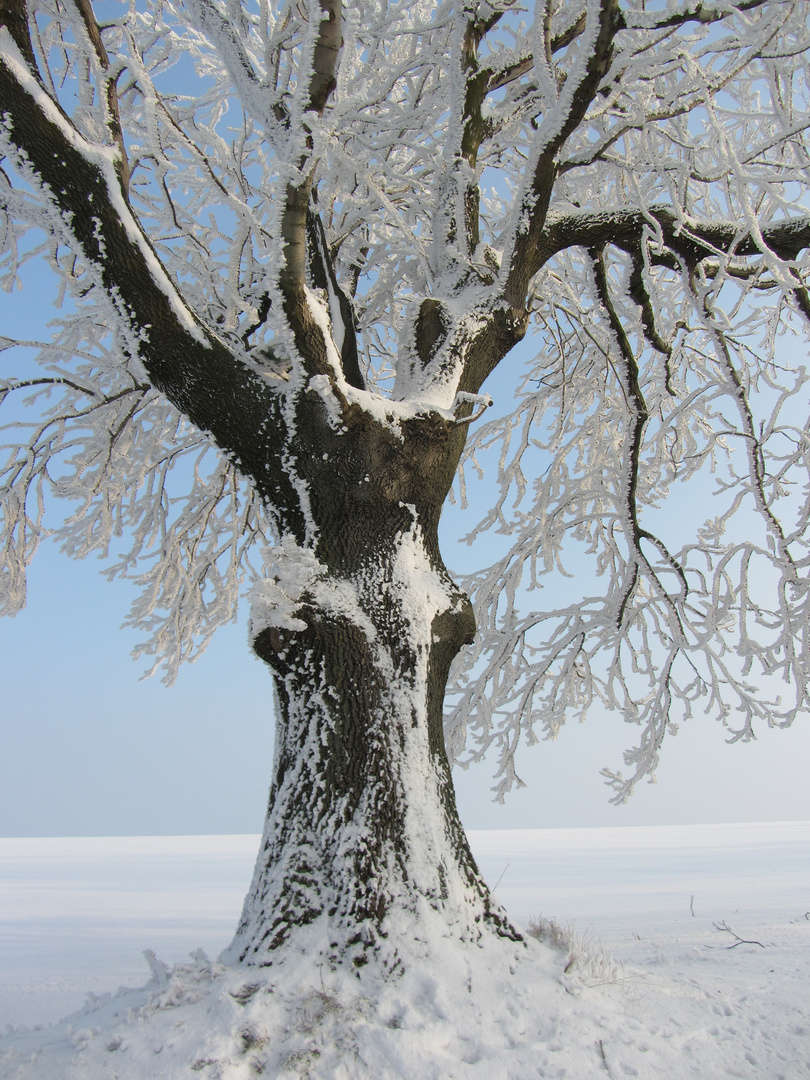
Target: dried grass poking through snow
[[586, 958]]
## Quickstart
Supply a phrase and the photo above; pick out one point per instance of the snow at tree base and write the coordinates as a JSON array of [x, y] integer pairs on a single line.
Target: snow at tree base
[[689, 958], [292, 246]]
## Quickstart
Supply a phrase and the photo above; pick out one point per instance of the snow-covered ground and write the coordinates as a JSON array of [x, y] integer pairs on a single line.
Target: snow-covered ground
[[688, 999]]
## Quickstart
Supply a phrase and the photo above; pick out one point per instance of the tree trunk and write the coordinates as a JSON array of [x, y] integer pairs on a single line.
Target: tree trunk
[[363, 854]]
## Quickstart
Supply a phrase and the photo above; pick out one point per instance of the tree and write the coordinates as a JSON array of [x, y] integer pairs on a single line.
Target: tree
[[293, 246]]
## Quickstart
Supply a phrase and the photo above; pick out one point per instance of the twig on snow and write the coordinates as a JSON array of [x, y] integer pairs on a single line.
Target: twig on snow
[[725, 928], [602, 1055]]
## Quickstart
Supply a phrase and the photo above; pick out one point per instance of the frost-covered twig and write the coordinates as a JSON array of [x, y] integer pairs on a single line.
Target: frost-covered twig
[[725, 928]]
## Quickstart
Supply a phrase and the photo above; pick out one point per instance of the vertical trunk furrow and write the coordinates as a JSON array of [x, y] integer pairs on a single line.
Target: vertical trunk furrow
[[363, 846]]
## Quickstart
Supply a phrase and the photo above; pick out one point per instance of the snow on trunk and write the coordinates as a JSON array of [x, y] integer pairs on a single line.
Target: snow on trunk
[[363, 855]]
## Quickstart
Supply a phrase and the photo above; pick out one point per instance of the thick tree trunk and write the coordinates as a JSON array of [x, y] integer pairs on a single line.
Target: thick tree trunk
[[363, 854]]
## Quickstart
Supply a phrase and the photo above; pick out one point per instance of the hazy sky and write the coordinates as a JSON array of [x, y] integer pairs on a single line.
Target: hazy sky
[[89, 749]]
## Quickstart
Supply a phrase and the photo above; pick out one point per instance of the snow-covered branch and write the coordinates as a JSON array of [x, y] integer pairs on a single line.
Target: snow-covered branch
[[307, 234], [670, 616]]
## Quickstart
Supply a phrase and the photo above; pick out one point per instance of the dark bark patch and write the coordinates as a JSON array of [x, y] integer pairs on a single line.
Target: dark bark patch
[[432, 325]]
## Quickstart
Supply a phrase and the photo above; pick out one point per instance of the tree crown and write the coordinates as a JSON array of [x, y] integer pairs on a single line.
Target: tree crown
[[244, 205]]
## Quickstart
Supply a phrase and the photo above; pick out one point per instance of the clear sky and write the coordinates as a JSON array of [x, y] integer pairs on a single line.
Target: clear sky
[[89, 749]]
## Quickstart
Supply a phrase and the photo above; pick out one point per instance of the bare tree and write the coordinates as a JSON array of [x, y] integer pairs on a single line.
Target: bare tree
[[293, 245]]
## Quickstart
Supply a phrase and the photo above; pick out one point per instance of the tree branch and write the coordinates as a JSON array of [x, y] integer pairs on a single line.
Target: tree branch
[[325, 57], [322, 273], [726, 929], [697, 12], [182, 358], [14, 16], [302, 247], [110, 91], [637, 421], [692, 240], [498, 78], [533, 206], [640, 294]]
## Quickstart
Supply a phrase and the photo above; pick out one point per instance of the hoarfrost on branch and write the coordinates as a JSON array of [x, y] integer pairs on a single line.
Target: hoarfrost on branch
[[375, 205]]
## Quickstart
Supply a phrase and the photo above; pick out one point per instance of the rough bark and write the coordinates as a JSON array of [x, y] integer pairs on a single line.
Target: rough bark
[[363, 846], [362, 843]]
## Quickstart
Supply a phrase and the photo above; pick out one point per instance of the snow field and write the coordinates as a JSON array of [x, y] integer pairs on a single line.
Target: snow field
[[683, 999]]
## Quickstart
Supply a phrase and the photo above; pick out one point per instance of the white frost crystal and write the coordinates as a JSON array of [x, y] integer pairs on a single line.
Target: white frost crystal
[[291, 570]]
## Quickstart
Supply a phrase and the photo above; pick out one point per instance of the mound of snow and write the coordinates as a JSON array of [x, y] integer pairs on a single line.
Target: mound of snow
[[499, 1012], [502, 1010]]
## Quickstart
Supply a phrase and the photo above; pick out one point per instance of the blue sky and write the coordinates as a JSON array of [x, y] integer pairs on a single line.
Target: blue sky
[[91, 749]]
